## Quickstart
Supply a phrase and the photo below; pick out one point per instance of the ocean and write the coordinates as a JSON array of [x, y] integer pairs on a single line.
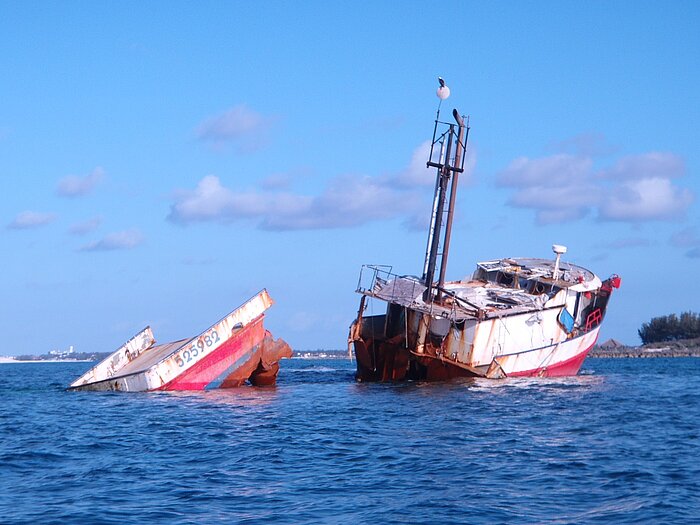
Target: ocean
[[618, 443]]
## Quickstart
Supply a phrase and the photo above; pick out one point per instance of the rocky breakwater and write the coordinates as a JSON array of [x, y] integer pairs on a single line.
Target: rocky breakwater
[[681, 348]]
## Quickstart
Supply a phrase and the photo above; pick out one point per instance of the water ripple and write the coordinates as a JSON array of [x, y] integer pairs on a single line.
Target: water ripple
[[614, 445]]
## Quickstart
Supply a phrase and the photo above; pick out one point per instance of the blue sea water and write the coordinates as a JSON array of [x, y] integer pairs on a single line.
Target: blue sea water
[[617, 444]]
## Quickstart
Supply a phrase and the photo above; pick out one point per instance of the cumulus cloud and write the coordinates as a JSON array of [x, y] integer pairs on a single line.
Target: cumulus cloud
[[123, 240], [85, 227], [559, 170], [347, 201], [565, 187], [557, 203], [644, 200], [211, 201], [31, 219], [75, 186], [653, 165], [417, 173], [239, 126], [557, 187]]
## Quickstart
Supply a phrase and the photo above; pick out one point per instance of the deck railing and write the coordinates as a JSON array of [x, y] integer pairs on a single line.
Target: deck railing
[[379, 281]]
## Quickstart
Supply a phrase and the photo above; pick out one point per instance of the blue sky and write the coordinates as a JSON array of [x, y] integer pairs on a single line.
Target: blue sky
[[162, 161]]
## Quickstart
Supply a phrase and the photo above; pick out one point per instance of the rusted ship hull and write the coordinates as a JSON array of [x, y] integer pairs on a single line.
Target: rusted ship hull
[[508, 333], [392, 362], [229, 353]]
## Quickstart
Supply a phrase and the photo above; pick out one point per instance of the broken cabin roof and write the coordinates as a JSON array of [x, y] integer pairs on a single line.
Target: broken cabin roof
[[486, 294]]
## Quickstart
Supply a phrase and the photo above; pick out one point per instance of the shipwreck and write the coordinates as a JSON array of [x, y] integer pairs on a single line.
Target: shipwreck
[[511, 317], [234, 350]]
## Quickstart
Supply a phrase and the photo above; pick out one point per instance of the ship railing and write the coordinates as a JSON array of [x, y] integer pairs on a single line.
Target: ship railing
[[373, 274], [377, 280]]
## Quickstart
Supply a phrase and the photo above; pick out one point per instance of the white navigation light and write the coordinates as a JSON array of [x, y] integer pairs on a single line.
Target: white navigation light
[[558, 249], [443, 91]]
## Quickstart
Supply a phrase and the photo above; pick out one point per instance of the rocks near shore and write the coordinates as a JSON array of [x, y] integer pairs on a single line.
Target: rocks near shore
[[682, 348]]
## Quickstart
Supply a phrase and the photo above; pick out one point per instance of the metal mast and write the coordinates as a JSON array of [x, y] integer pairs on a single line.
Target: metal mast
[[447, 165], [462, 137]]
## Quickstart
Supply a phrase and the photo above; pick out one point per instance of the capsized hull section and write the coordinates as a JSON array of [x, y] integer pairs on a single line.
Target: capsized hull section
[[234, 350]]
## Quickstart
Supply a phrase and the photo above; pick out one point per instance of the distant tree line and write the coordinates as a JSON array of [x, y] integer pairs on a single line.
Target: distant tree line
[[670, 328]]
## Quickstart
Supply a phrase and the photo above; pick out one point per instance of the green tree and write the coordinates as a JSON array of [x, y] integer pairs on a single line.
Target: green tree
[[670, 328]]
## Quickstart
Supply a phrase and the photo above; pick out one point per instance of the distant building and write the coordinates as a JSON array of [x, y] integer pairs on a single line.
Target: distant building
[[63, 353]]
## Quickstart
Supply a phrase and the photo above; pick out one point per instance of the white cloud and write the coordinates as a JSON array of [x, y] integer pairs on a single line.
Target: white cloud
[[239, 126], [564, 187], [210, 201], [554, 204], [347, 201], [75, 186], [123, 240], [644, 200], [558, 170], [85, 227], [556, 187], [31, 219], [418, 174], [653, 165]]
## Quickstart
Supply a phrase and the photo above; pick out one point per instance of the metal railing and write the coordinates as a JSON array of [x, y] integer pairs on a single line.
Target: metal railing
[[374, 278], [369, 274]]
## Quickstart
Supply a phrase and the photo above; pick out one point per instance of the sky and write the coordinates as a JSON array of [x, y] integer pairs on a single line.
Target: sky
[[161, 162]]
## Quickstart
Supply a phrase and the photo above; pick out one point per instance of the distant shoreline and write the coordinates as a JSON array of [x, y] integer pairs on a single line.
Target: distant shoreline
[[11, 360], [685, 348], [681, 348]]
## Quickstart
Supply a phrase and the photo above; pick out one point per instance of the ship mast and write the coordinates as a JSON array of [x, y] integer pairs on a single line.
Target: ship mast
[[448, 167]]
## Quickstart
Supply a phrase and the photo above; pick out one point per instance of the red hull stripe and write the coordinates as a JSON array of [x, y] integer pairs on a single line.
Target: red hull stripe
[[225, 359], [570, 367]]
